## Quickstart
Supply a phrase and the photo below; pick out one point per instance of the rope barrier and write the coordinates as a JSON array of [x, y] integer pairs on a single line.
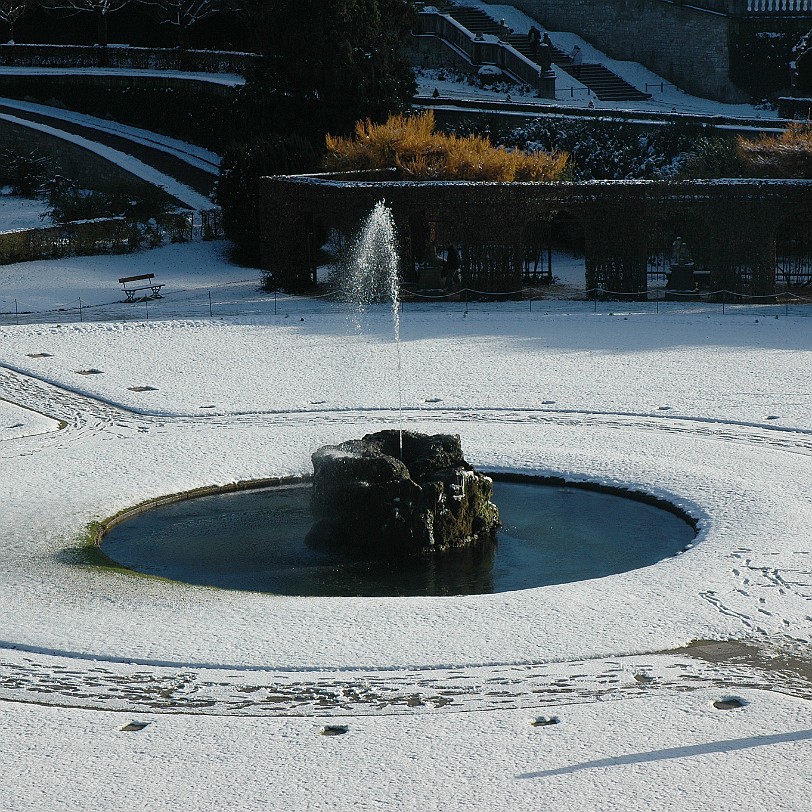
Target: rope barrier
[[16, 311]]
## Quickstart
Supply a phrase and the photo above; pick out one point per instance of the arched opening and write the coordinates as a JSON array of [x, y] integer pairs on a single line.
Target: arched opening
[[491, 267], [553, 251], [679, 253], [431, 234], [793, 252]]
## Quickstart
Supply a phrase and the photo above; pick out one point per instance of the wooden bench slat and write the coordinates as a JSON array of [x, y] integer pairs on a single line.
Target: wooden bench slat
[[125, 279]]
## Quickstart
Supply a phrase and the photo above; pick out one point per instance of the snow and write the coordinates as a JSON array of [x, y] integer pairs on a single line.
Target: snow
[[711, 411], [188, 270], [228, 79], [19, 213], [230, 691], [196, 156]]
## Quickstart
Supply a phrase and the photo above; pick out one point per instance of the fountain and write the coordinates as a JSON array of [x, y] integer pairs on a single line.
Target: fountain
[[372, 274], [396, 512], [377, 495]]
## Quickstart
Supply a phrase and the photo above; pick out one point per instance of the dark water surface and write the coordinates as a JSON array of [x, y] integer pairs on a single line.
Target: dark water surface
[[253, 540]]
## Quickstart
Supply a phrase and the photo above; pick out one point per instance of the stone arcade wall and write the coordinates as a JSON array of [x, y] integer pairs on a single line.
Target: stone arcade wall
[[731, 225]]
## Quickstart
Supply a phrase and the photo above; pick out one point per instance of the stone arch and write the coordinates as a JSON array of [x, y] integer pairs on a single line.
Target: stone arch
[[545, 236], [669, 262], [616, 242], [793, 251], [742, 239], [490, 242]]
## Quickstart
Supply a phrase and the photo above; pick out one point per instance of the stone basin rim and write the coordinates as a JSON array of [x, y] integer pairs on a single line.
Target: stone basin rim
[[99, 529]]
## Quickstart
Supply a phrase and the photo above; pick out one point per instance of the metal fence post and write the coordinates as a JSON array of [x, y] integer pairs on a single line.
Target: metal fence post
[[210, 311], [81, 318]]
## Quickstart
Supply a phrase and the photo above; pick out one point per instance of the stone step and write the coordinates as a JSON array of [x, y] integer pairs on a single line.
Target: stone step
[[604, 84], [598, 78]]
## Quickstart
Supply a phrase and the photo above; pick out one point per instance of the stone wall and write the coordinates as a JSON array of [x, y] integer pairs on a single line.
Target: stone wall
[[432, 52], [688, 46]]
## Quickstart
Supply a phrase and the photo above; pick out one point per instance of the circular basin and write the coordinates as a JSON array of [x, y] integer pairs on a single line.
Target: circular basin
[[254, 540]]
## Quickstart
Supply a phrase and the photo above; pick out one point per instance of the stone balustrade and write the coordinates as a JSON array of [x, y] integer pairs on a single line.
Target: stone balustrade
[[486, 49]]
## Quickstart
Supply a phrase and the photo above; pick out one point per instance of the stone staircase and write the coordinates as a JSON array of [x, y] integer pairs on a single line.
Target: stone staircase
[[604, 85]]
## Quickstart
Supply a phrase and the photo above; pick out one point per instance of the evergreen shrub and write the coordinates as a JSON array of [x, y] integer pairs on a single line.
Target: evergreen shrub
[[609, 150], [711, 158], [238, 188], [25, 173]]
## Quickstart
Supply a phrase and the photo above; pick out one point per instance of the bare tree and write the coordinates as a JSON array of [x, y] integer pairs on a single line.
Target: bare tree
[[183, 14], [99, 8], [10, 12]]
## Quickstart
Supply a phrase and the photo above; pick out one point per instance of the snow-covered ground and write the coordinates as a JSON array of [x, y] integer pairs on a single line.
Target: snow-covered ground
[[117, 688], [665, 97], [180, 191], [17, 213], [228, 79], [231, 690]]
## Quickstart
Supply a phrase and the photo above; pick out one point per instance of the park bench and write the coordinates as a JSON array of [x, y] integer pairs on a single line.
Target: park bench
[[131, 289]]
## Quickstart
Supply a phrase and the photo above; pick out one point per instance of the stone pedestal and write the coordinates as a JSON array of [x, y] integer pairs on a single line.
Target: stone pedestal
[[372, 497]]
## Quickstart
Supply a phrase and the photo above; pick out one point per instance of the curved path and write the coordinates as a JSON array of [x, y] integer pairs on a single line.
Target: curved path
[[199, 179], [755, 601], [190, 168]]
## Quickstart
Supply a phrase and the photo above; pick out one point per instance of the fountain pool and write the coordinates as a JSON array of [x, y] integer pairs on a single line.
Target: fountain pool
[[254, 540]]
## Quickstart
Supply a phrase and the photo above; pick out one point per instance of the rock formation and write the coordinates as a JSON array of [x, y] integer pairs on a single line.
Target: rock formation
[[371, 499]]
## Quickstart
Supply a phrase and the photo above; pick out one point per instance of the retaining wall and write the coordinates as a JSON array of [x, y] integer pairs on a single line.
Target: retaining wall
[[70, 160], [717, 49]]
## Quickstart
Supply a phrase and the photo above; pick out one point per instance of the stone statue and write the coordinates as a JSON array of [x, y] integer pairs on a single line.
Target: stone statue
[[680, 254]]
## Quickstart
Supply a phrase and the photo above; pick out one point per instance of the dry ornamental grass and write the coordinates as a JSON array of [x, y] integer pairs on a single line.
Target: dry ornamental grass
[[788, 155], [411, 144]]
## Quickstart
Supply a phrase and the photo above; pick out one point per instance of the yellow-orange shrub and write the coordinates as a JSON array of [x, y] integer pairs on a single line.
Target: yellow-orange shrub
[[411, 144], [788, 155]]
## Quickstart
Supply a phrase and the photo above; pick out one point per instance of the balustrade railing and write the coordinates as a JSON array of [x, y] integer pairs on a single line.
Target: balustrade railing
[[744, 8], [747, 7], [484, 49]]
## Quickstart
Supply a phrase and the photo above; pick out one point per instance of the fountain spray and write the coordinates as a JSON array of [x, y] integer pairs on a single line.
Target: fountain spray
[[373, 276]]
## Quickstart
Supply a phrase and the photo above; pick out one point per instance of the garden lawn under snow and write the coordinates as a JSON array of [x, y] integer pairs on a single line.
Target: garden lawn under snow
[[229, 690], [17, 213]]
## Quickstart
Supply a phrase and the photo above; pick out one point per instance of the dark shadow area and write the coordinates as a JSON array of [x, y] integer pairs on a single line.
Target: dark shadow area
[[689, 751]]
